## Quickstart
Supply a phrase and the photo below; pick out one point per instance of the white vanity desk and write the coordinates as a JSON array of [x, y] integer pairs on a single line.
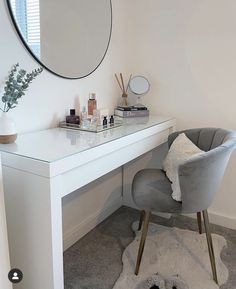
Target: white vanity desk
[[43, 167]]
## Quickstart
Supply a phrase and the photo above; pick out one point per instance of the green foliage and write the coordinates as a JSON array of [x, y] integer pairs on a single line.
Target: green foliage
[[16, 85]]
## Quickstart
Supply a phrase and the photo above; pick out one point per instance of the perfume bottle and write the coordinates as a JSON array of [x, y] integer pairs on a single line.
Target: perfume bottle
[[111, 121], [84, 118], [92, 103], [84, 115], [72, 118], [104, 122]]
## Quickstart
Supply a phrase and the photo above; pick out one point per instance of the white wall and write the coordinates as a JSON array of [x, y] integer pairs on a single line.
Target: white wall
[[187, 49], [85, 208]]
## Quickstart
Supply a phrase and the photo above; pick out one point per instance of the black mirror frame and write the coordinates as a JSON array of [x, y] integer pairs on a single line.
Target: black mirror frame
[[43, 65]]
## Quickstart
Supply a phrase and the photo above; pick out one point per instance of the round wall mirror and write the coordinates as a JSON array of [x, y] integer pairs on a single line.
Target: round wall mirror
[[69, 38], [139, 85]]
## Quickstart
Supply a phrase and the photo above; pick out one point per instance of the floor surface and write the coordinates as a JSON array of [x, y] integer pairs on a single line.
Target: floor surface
[[94, 262]]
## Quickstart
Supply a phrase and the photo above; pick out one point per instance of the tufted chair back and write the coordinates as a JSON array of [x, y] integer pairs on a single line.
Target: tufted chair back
[[200, 177]]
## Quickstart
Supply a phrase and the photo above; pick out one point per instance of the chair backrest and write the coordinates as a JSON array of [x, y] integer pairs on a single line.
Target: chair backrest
[[201, 176]]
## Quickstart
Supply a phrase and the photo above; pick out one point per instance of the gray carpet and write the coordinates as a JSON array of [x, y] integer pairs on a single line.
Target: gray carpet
[[94, 262]]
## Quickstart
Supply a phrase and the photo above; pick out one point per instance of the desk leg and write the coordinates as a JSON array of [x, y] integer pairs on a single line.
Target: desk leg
[[34, 220]]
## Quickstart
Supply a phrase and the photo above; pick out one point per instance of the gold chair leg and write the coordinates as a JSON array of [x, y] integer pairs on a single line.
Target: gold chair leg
[[142, 241], [142, 214], [210, 245], [199, 222]]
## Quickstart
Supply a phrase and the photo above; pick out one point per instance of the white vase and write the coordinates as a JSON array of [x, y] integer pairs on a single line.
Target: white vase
[[7, 129]]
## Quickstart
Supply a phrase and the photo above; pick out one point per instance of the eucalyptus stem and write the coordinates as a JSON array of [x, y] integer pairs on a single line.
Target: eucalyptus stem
[[16, 85]]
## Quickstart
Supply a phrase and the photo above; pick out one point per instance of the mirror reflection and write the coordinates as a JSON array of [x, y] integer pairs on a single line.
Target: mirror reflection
[[69, 38]]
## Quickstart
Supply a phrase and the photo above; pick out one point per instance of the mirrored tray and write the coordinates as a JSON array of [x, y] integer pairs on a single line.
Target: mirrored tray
[[91, 128]]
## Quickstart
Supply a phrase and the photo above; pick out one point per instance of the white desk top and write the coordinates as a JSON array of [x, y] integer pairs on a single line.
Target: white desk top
[[54, 144]]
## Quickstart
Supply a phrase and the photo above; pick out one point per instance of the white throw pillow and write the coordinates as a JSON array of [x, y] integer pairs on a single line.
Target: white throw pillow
[[181, 150]]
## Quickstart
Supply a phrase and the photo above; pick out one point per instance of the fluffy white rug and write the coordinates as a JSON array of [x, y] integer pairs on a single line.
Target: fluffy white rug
[[171, 251]]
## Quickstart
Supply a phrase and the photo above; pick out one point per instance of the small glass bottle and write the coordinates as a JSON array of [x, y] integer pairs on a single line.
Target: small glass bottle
[[92, 103], [111, 120], [84, 117], [104, 122], [72, 118]]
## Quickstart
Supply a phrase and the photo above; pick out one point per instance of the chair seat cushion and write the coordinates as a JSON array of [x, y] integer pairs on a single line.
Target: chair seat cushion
[[181, 150], [151, 190]]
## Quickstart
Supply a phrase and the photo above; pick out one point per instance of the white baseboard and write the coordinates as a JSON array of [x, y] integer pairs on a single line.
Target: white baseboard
[[81, 229], [73, 235], [219, 219], [222, 220]]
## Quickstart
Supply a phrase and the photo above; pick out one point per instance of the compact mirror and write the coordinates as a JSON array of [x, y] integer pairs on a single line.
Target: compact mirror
[[69, 38], [139, 85]]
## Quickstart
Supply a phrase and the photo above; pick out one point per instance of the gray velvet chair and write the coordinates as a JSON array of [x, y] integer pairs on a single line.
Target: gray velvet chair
[[199, 181]]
